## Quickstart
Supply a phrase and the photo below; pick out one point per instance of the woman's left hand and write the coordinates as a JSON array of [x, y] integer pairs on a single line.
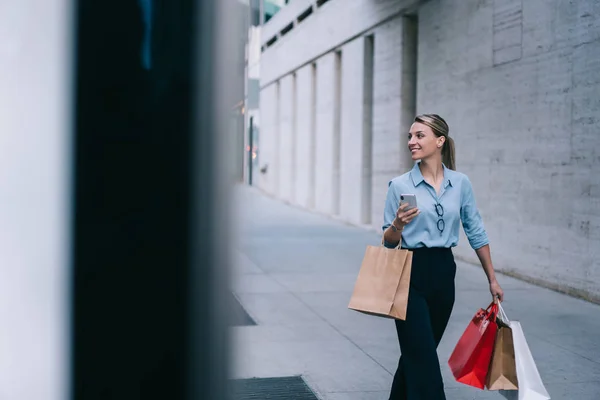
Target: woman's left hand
[[496, 291]]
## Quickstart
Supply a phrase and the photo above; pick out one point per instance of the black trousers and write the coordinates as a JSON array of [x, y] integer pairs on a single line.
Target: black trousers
[[430, 302]]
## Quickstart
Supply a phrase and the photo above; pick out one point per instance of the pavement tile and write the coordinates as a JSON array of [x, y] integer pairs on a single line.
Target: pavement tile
[[574, 391], [464, 392], [256, 283], [328, 367], [310, 332], [277, 309], [379, 395], [243, 265], [318, 281]]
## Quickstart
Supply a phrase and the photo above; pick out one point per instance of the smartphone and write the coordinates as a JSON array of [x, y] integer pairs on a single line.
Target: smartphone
[[411, 199]]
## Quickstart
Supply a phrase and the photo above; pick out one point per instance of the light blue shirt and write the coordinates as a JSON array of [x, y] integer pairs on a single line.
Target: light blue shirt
[[456, 197]]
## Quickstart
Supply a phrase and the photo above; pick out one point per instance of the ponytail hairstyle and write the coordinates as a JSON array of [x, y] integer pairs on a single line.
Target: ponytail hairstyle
[[440, 128]]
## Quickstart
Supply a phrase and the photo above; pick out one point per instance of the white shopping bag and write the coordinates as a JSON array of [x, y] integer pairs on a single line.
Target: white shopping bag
[[531, 386]]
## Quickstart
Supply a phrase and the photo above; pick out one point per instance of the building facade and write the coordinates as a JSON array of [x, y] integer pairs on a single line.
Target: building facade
[[517, 81]]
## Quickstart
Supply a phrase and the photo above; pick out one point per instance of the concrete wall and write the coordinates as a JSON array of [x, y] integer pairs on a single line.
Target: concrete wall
[[526, 126], [286, 132], [331, 25], [351, 133], [518, 84], [284, 17], [325, 135], [305, 147], [269, 139]]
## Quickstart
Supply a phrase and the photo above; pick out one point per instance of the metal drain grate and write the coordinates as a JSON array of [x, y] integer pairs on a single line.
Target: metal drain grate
[[239, 316], [283, 388]]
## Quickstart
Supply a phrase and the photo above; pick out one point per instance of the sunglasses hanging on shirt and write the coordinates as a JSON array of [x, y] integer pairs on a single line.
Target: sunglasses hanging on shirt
[[440, 213]]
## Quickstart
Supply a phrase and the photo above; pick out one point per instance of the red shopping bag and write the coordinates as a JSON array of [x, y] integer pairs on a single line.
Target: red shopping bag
[[470, 360]]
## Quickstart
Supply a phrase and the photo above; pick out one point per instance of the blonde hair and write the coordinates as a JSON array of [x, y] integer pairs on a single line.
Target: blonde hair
[[440, 128]]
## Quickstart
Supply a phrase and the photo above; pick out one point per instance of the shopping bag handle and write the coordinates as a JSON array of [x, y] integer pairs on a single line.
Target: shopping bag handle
[[491, 312], [395, 248], [502, 314]]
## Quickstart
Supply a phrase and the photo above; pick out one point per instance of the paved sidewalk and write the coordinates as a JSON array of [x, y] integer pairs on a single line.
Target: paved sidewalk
[[294, 274]]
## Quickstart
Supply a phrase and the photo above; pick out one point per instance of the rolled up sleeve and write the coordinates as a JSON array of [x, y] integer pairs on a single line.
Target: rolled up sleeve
[[389, 211], [470, 217]]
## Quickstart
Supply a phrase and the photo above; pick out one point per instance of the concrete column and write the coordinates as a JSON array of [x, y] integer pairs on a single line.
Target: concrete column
[[304, 139], [355, 130], [286, 140], [294, 134], [268, 139], [337, 119], [276, 131], [312, 175], [325, 121]]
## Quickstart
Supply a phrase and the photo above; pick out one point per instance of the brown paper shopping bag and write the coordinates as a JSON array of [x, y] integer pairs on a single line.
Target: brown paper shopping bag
[[502, 374], [383, 282]]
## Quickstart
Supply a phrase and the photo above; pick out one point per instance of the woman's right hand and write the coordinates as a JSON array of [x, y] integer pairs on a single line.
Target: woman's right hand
[[403, 216]]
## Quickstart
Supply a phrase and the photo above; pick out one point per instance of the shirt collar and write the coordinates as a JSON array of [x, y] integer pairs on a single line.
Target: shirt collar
[[417, 176]]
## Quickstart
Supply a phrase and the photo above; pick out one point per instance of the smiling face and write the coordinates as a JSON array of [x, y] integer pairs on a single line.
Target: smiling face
[[423, 143]]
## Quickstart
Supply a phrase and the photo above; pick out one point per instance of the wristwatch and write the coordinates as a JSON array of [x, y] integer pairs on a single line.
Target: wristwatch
[[394, 228]]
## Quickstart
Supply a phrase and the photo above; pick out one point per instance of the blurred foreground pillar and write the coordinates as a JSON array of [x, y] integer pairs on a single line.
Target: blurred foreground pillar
[[151, 190]]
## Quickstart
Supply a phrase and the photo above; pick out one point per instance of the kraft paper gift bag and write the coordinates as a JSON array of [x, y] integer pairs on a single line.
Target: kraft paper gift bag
[[502, 374], [382, 285]]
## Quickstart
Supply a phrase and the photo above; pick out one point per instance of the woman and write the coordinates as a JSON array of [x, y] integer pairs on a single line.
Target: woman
[[444, 198]]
